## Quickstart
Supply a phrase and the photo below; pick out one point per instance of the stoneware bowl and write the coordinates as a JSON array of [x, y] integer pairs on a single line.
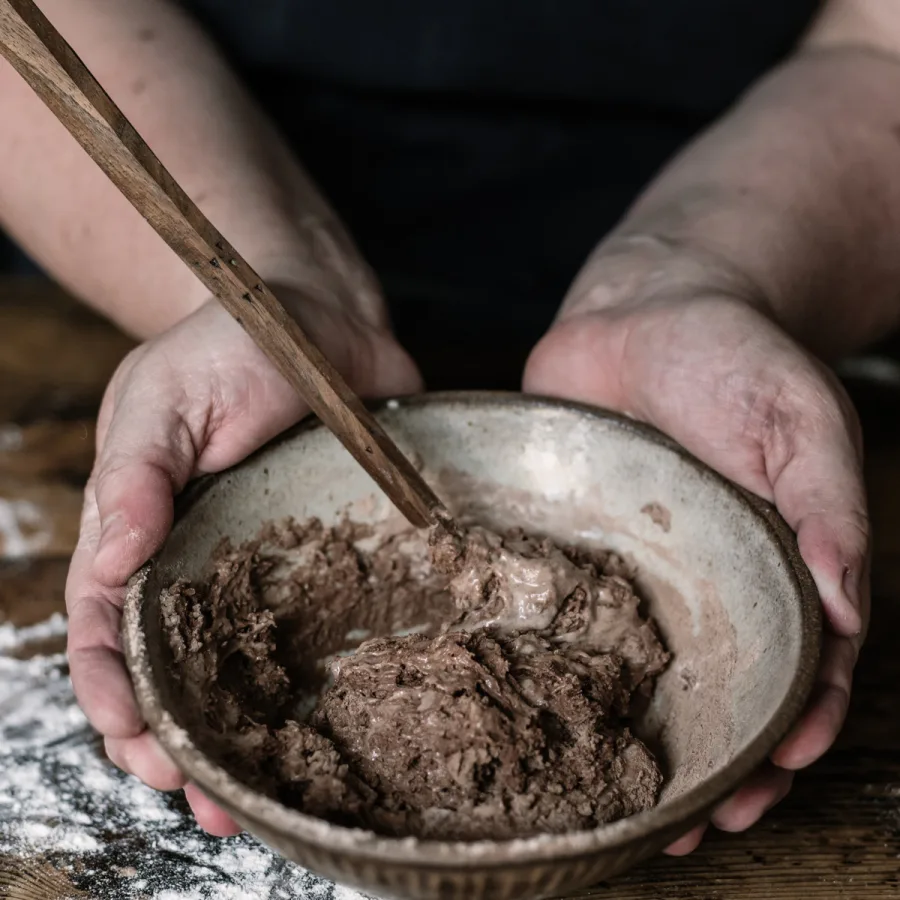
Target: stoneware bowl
[[719, 570]]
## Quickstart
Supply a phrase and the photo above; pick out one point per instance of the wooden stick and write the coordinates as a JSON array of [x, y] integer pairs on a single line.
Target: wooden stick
[[51, 67]]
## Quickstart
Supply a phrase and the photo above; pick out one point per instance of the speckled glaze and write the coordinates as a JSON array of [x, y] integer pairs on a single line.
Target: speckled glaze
[[719, 568]]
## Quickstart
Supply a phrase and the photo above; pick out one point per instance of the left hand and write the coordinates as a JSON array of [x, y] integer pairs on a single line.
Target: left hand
[[680, 340], [196, 399]]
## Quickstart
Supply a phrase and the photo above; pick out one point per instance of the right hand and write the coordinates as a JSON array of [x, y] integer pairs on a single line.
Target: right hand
[[678, 338], [197, 399]]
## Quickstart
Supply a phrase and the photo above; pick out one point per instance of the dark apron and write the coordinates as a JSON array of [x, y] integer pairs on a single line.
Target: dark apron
[[479, 149]]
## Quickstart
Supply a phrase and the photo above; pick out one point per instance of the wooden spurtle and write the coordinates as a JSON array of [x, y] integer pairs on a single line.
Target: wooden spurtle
[[52, 68]]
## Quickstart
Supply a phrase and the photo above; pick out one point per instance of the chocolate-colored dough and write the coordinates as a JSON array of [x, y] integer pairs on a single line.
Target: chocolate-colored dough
[[509, 721]]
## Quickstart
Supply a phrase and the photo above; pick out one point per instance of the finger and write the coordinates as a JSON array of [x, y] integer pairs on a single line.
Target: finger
[[148, 456], [143, 757], [112, 748], [770, 785], [820, 724], [127, 513], [687, 843], [102, 686], [209, 817], [818, 488], [97, 665], [134, 498], [834, 548]]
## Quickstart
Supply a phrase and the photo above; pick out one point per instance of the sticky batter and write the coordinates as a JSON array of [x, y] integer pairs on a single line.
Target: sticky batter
[[508, 717]]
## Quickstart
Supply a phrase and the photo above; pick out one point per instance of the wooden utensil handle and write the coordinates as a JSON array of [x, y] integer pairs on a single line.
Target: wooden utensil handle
[[51, 67]]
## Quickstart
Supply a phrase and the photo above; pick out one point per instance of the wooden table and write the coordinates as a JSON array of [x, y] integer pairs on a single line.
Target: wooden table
[[837, 836]]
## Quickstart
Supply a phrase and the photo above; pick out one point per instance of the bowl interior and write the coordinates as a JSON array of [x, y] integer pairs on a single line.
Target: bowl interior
[[716, 569]]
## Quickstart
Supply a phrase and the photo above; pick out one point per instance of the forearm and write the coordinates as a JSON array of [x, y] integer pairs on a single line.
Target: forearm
[[172, 84], [797, 191]]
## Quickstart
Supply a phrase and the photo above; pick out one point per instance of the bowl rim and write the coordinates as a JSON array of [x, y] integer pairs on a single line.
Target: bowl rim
[[683, 810]]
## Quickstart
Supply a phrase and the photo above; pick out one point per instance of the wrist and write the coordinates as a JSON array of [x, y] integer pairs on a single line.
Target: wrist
[[300, 287], [634, 268], [796, 190], [317, 260], [354, 294]]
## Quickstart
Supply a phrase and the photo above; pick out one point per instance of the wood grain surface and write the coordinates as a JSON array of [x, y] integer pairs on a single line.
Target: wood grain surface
[[837, 835]]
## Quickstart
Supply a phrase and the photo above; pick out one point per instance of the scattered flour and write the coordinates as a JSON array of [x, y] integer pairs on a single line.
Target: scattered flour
[[15, 638], [62, 801], [24, 529], [11, 438]]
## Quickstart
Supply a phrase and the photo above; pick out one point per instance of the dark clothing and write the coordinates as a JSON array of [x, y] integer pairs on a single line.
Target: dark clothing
[[479, 149]]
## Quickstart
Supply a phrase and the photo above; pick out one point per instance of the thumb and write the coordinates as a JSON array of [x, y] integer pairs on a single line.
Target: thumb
[[819, 490], [147, 458]]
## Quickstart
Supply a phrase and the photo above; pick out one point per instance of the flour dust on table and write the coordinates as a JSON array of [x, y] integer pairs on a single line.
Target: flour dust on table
[[66, 811]]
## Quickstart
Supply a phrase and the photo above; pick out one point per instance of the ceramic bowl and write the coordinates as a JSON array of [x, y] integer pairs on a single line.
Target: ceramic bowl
[[719, 569]]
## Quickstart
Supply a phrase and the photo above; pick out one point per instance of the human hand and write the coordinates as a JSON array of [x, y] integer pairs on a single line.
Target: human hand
[[679, 339], [196, 399]]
